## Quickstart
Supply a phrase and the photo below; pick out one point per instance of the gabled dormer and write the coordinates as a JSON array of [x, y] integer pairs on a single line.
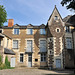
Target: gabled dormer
[[16, 29], [55, 17]]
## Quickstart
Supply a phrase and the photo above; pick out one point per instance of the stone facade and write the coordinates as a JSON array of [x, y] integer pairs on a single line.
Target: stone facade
[[52, 41]]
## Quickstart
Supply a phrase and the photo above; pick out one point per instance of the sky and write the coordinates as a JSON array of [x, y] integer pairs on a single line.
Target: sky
[[35, 12]]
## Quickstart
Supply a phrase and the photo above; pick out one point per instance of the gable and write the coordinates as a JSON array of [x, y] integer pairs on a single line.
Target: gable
[[54, 14]]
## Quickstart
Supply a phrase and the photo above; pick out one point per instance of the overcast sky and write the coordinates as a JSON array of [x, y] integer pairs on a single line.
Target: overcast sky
[[35, 12]]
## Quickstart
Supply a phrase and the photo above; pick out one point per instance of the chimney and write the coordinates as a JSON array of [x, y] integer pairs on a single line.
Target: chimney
[[10, 22]]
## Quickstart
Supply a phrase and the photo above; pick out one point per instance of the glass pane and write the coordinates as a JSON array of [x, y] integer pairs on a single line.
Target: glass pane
[[30, 59], [17, 31], [44, 58], [41, 58], [15, 44], [21, 57]]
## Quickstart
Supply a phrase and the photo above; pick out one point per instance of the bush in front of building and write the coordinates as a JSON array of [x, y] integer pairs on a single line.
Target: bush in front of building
[[0, 59], [7, 63]]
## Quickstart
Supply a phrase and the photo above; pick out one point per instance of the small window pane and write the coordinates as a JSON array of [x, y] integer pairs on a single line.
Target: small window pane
[[42, 31], [56, 18], [68, 43], [15, 43], [30, 31], [16, 31], [42, 45], [43, 57], [21, 57]]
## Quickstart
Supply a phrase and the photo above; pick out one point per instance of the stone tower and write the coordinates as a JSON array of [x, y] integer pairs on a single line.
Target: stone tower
[[55, 34]]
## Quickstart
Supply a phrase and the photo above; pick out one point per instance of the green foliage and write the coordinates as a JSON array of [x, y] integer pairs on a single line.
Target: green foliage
[[3, 66], [0, 59], [70, 4], [3, 15], [7, 63]]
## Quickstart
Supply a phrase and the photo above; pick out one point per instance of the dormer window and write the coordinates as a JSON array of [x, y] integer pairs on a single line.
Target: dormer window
[[42, 31], [30, 31], [67, 29], [56, 18], [16, 31]]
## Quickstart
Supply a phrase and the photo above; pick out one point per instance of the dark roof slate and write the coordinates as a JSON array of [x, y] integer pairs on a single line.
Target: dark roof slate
[[8, 51], [69, 20]]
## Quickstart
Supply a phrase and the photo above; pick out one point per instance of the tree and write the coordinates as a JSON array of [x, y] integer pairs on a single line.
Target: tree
[[70, 4], [3, 15]]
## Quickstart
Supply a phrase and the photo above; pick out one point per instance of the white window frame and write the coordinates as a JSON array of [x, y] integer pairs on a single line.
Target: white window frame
[[42, 46], [31, 47], [56, 18], [68, 42], [29, 31], [43, 31], [17, 33], [67, 29], [17, 44]]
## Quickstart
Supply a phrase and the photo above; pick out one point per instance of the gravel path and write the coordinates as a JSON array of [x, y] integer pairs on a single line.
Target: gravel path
[[31, 71]]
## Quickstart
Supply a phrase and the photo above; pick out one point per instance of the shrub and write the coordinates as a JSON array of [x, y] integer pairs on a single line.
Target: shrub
[[3, 66], [0, 59], [7, 63]]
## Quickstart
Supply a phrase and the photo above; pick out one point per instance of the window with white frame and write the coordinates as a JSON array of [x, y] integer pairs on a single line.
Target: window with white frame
[[43, 57], [29, 46], [15, 43], [21, 57], [42, 45], [67, 29], [68, 43], [42, 31], [30, 31], [16, 31], [56, 18]]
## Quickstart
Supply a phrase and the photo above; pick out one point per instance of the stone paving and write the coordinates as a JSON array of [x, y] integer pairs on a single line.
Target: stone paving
[[31, 71]]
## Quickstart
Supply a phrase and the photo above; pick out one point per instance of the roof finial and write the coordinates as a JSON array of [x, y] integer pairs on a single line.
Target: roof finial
[[55, 6]]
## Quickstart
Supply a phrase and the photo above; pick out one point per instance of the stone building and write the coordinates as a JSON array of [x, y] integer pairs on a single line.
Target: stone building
[[38, 46]]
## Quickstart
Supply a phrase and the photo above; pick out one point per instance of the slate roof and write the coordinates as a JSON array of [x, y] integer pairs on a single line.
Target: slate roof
[[69, 20], [8, 51], [24, 26]]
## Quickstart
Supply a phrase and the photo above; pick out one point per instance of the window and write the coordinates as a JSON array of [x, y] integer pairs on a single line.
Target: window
[[0, 42], [56, 18], [29, 45], [30, 31], [42, 45], [57, 30], [21, 57], [43, 57], [16, 31], [0, 31], [7, 42], [42, 31], [67, 29], [15, 43], [68, 43]]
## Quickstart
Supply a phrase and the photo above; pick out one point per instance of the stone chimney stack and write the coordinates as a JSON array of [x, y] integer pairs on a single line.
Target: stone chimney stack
[[10, 22]]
